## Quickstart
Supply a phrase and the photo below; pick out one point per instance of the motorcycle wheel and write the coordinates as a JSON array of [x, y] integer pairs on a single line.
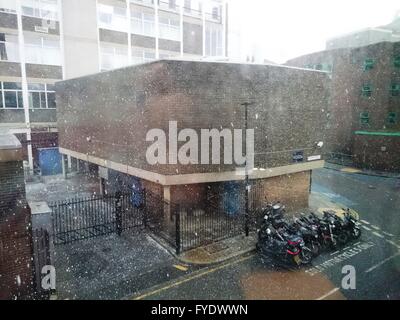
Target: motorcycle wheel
[[356, 233], [315, 248], [342, 238], [306, 255]]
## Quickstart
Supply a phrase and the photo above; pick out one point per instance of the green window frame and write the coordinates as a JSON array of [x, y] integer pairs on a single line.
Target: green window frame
[[395, 89], [366, 90], [364, 118], [396, 61], [392, 118], [369, 64]]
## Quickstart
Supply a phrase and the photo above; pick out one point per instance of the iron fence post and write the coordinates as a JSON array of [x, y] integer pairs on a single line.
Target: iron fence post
[[144, 208], [178, 231], [118, 212]]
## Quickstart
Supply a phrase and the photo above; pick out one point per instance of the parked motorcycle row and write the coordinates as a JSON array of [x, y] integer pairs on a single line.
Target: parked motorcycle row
[[305, 237]]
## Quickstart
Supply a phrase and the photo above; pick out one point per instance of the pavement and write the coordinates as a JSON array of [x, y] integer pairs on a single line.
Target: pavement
[[55, 188], [353, 169], [140, 269], [375, 257]]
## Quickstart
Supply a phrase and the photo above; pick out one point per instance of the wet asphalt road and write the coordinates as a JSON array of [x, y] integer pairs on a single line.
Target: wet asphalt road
[[375, 257]]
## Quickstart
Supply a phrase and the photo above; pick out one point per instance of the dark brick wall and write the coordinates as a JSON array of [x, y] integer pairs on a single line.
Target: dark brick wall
[[15, 233], [377, 152], [12, 185], [347, 102], [290, 110]]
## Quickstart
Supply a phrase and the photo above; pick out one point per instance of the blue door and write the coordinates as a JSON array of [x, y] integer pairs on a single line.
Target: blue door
[[49, 161], [232, 194]]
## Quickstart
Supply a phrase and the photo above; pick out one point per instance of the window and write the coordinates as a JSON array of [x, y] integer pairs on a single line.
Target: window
[[395, 89], [392, 118], [44, 9], [113, 18], [187, 6], [172, 4], [366, 90], [364, 117], [215, 13], [397, 61], [214, 40], [11, 95], [9, 6], [143, 23], [169, 28], [42, 50], [41, 96], [113, 56], [142, 55], [369, 64], [9, 47]]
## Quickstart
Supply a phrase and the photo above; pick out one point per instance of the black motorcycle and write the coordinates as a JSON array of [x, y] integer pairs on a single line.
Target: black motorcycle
[[325, 229], [274, 240], [310, 234], [351, 225]]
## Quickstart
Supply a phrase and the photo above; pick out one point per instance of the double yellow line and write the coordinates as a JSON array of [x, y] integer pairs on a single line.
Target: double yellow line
[[193, 276]]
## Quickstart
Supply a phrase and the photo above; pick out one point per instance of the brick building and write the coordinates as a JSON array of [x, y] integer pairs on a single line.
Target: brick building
[[16, 275], [364, 111], [106, 124], [42, 42]]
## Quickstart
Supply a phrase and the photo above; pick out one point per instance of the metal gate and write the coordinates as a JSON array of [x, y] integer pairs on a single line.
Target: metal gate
[[84, 218]]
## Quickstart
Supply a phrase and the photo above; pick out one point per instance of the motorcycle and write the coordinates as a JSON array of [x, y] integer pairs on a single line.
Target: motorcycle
[[275, 241], [351, 225], [309, 233], [325, 230]]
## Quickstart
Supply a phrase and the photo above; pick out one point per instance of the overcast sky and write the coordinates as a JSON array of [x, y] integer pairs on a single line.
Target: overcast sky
[[283, 29]]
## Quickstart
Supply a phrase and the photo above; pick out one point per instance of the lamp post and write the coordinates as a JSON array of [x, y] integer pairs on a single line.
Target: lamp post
[[246, 194]]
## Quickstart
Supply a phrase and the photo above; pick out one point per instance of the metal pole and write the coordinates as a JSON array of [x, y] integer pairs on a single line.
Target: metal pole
[[246, 195]]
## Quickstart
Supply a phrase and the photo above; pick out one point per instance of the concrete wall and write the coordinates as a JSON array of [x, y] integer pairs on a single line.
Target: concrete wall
[[107, 115]]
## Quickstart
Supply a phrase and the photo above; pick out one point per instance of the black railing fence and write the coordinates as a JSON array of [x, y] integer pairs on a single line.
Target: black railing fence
[[182, 226], [84, 218]]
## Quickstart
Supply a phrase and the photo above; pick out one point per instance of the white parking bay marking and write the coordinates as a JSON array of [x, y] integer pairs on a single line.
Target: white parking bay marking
[[382, 262], [328, 294], [366, 228], [378, 234], [388, 234], [366, 222]]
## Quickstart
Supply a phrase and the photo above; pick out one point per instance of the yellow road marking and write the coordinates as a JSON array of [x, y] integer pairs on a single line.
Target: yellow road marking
[[350, 170], [192, 277], [179, 267]]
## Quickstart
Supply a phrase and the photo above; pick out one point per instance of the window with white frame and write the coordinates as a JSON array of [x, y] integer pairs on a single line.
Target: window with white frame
[[44, 9], [9, 6], [169, 28], [11, 95], [113, 56], [214, 40], [42, 50], [9, 50], [41, 96], [140, 55], [143, 23], [112, 17]]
